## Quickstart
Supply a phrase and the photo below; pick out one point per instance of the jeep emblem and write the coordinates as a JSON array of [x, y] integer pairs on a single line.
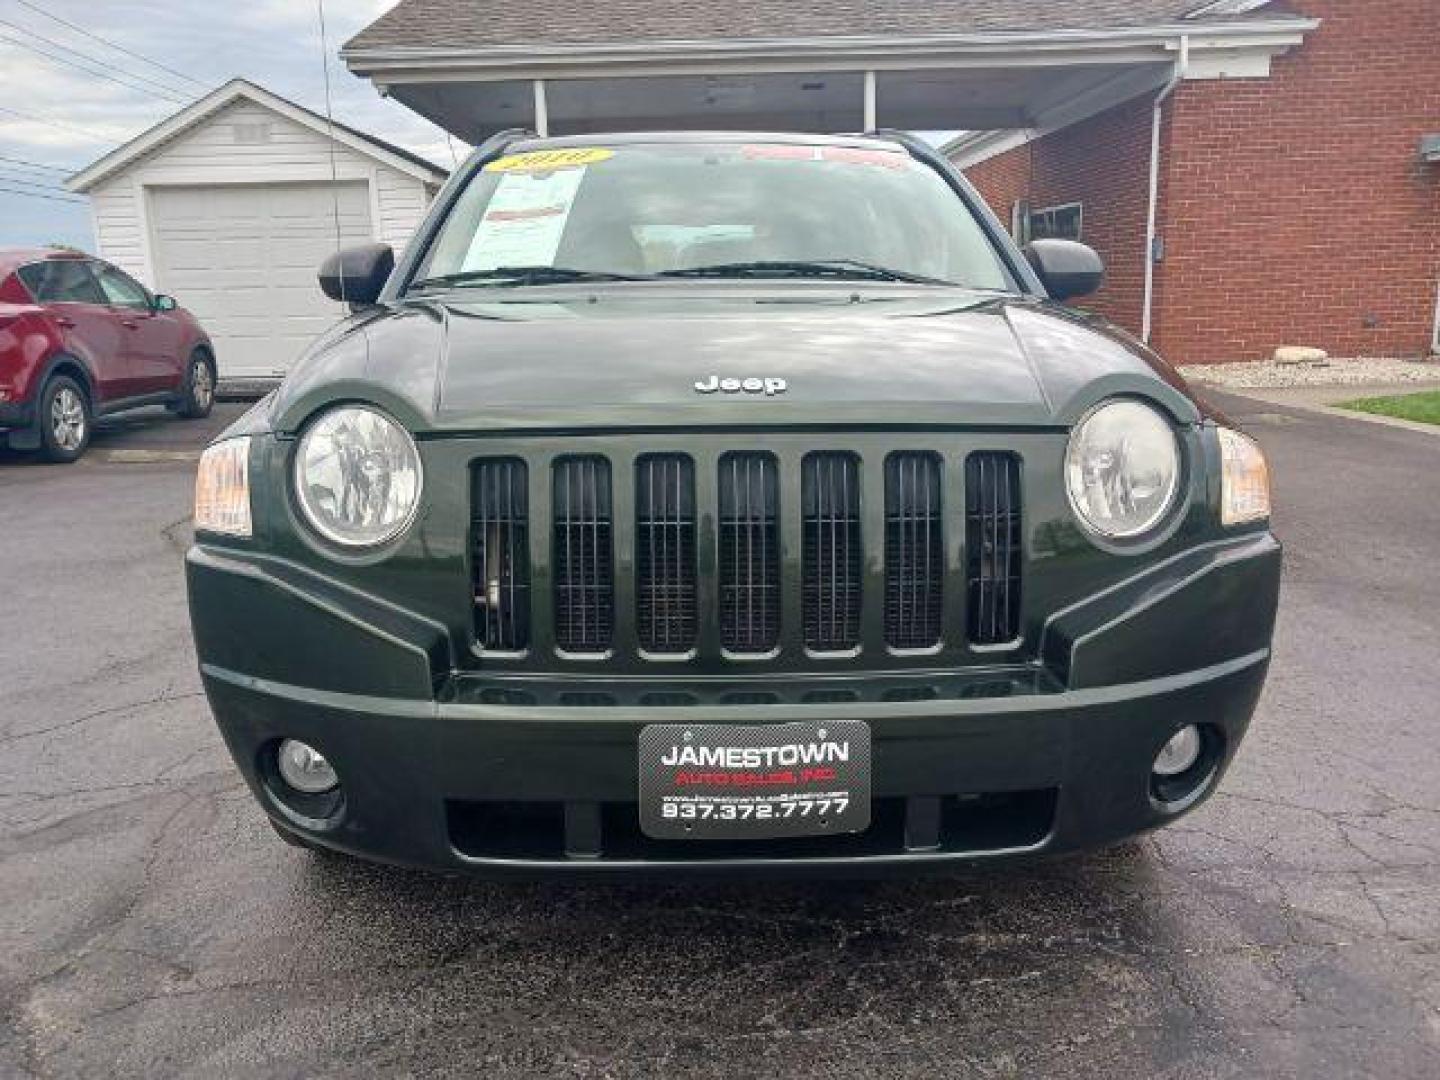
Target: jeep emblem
[[769, 387]]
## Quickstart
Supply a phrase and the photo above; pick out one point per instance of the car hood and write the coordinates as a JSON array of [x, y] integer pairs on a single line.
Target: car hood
[[632, 356]]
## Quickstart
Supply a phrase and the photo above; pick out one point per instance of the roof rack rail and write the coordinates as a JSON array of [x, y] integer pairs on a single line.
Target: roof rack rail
[[904, 138]]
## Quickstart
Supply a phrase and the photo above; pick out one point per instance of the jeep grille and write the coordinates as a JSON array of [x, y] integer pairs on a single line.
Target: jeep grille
[[699, 557]]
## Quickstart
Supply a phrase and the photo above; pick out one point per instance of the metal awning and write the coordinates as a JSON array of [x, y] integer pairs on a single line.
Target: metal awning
[[931, 81], [824, 100]]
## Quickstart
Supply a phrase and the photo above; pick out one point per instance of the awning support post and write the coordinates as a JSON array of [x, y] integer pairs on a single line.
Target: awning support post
[[870, 123], [542, 111], [1181, 64]]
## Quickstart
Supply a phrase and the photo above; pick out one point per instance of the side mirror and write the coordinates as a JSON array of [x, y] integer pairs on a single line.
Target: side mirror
[[1066, 268], [165, 303], [356, 275]]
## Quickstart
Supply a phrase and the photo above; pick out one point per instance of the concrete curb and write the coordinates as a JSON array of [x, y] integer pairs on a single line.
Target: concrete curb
[[244, 389], [1323, 400]]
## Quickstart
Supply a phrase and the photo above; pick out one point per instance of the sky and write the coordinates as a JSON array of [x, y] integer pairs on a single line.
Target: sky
[[73, 117], [56, 117]]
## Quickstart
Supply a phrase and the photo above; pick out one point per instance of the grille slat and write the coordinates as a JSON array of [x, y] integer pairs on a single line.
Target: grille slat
[[749, 564], [993, 544], [584, 563], [914, 551], [500, 550], [665, 586], [831, 580]]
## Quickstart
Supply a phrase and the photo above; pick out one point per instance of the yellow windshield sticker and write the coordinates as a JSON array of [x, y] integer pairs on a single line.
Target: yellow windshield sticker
[[549, 160]]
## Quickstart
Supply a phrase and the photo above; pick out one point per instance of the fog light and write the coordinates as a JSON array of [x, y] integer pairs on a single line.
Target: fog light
[[1181, 752], [305, 769]]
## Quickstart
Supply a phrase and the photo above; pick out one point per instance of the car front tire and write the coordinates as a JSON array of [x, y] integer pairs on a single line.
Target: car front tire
[[197, 396], [65, 420]]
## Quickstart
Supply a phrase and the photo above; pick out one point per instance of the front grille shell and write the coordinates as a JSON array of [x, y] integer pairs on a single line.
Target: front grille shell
[[772, 624]]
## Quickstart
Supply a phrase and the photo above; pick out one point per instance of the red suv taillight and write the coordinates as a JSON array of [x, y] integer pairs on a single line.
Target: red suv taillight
[[10, 356]]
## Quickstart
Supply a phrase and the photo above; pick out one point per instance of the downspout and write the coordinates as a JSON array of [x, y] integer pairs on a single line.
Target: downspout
[[1182, 63], [1435, 331]]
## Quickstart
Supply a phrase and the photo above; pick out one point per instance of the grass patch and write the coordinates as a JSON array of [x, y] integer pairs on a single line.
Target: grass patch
[[1424, 406]]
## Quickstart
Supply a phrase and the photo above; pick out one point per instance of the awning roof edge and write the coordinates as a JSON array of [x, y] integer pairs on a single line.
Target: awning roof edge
[[527, 61]]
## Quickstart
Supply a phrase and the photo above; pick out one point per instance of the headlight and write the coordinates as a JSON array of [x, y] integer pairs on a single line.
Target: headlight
[[1244, 479], [1122, 469], [357, 476], [222, 488]]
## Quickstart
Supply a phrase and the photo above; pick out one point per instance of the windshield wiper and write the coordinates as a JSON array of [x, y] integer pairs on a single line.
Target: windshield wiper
[[520, 275], [847, 269]]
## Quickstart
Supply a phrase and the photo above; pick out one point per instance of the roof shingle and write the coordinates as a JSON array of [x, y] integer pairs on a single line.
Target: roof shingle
[[480, 24]]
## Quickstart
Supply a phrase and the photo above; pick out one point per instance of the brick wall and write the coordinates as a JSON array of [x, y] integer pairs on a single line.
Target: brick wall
[[1293, 209], [1103, 164], [1003, 180]]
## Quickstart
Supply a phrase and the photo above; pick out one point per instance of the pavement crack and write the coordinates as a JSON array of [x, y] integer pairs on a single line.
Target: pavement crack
[[178, 534], [109, 710]]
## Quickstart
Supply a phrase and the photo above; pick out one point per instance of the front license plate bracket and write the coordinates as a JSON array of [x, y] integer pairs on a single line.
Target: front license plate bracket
[[754, 781]]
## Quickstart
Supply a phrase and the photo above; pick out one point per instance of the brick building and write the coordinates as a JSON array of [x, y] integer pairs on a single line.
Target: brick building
[[1294, 197], [1297, 207]]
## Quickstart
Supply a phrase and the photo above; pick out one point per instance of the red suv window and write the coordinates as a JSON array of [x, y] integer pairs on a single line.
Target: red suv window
[[121, 290], [61, 281]]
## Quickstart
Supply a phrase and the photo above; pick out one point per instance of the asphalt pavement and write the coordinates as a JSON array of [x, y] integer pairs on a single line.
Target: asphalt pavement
[[151, 924]]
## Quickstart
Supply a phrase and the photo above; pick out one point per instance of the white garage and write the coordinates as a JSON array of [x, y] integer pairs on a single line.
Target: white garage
[[231, 205]]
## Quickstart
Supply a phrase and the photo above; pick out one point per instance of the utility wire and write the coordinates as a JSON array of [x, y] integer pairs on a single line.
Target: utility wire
[[108, 65], [73, 201], [56, 124], [168, 95], [107, 42], [14, 161], [29, 179]]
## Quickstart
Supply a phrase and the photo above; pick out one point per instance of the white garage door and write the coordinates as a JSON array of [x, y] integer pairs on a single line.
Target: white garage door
[[243, 258]]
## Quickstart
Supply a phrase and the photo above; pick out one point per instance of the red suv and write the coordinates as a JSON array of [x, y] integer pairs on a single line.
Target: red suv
[[80, 339]]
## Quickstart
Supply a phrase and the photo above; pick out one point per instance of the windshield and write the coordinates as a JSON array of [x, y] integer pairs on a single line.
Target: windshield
[[724, 210]]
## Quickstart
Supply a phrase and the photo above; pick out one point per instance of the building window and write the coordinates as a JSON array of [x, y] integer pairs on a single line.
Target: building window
[[1055, 223]]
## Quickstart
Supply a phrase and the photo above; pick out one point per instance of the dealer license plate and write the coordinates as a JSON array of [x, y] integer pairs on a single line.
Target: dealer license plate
[[744, 782]]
